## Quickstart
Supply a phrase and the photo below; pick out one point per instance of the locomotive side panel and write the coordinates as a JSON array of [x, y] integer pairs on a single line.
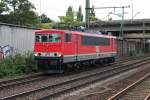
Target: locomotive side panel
[[70, 47], [94, 47], [85, 52]]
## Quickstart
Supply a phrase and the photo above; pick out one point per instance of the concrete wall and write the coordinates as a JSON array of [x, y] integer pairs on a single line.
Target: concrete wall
[[20, 38]]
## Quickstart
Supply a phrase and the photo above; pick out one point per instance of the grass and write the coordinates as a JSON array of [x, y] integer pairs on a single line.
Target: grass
[[24, 64], [136, 53], [17, 65]]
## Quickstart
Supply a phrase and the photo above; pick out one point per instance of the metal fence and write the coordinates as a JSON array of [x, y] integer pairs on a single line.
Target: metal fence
[[124, 47]]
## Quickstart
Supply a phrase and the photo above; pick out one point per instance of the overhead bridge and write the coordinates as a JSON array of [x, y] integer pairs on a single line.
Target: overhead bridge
[[136, 32], [140, 26]]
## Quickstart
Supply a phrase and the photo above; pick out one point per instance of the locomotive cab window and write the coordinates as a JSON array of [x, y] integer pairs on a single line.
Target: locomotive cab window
[[44, 38], [68, 37], [37, 38], [48, 37], [54, 37]]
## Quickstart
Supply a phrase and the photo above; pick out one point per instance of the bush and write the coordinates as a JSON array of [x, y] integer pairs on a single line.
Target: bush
[[136, 53], [17, 65]]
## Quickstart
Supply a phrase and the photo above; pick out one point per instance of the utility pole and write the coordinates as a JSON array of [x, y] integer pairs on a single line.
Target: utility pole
[[121, 23], [122, 16], [40, 12], [87, 12], [88, 9]]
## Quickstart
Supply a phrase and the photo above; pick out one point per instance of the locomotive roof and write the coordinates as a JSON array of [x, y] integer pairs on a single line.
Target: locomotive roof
[[74, 32]]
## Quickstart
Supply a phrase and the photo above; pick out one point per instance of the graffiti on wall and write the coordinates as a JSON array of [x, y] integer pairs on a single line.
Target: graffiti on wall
[[5, 51]]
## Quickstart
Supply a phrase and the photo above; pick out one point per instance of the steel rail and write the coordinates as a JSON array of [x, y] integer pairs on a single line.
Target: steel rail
[[147, 97], [122, 92], [92, 81], [117, 71], [37, 76], [4, 81], [21, 80]]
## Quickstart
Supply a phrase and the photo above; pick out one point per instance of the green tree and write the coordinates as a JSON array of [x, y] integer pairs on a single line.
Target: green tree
[[79, 14], [92, 15], [69, 15], [3, 6], [21, 12], [13, 4], [45, 19], [69, 21], [92, 11]]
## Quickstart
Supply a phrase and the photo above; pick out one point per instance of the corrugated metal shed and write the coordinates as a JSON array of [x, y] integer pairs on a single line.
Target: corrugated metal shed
[[21, 38]]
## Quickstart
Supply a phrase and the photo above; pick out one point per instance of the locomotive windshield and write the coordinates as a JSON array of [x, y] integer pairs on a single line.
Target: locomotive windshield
[[48, 37]]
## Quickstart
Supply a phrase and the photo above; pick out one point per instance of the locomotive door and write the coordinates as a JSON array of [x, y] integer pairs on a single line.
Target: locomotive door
[[97, 49], [112, 44], [76, 47], [70, 47]]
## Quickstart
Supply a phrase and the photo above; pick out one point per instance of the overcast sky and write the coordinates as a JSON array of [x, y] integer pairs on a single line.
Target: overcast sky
[[55, 8]]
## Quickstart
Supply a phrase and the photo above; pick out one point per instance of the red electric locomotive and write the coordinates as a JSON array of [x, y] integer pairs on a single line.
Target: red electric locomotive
[[59, 50]]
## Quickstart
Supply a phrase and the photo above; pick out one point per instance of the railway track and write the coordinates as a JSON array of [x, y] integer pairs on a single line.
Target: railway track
[[39, 76], [53, 90], [139, 90], [20, 80], [147, 97]]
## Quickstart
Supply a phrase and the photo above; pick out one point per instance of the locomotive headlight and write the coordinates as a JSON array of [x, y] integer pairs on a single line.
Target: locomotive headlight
[[52, 54], [57, 54], [36, 54]]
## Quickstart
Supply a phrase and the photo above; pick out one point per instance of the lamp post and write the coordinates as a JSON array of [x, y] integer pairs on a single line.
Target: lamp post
[[40, 11], [132, 10]]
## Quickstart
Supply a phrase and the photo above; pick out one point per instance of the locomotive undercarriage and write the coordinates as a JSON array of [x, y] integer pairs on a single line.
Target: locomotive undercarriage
[[50, 65], [57, 65]]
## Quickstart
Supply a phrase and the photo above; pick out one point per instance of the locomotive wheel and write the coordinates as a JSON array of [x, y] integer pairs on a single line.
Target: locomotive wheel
[[76, 66], [69, 67], [106, 60], [40, 65], [111, 60], [92, 62]]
